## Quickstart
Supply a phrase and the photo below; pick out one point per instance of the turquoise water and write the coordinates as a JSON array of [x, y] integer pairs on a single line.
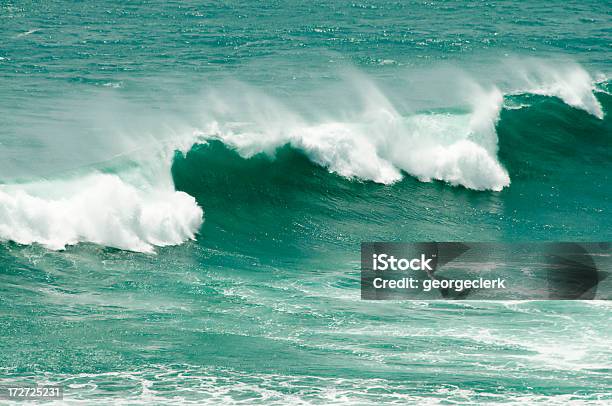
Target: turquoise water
[[184, 188]]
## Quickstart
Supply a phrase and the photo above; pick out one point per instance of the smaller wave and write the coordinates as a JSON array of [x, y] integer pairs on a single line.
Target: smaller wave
[[98, 208]]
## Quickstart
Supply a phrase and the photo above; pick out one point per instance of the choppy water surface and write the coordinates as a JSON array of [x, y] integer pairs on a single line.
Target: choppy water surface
[[184, 188]]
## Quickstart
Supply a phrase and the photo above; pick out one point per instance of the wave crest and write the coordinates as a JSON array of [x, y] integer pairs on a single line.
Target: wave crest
[[379, 143], [569, 82]]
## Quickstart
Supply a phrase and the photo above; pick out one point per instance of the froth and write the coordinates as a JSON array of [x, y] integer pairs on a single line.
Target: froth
[[379, 144], [98, 208]]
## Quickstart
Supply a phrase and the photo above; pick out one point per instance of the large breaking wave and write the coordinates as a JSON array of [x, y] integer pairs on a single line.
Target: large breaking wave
[[371, 138]]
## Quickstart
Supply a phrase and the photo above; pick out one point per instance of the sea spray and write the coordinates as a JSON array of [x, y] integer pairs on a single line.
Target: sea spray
[[376, 143], [567, 81]]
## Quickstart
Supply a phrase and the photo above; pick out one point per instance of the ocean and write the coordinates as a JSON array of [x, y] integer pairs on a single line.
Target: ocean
[[184, 188]]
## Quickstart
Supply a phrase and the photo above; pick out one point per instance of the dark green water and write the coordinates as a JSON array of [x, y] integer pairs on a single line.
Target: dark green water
[[184, 188]]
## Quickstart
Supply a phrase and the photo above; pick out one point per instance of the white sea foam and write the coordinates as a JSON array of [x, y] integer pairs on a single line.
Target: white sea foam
[[377, 143], [97, 208], [28, 32]]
